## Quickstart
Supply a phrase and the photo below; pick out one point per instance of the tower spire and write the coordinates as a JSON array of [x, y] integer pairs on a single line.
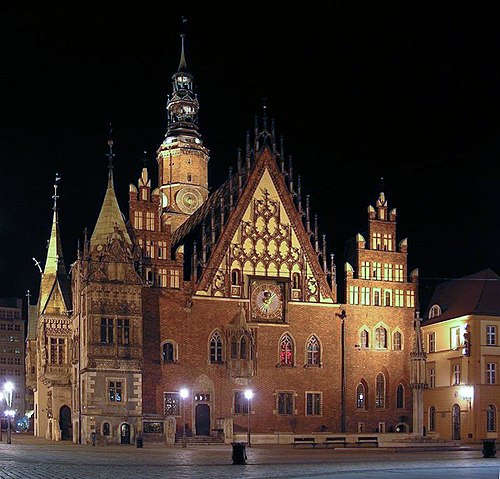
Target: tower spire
[[182, 63]]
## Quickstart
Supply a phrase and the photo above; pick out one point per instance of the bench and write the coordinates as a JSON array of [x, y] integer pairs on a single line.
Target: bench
[[304, 440], [335, 440], [367, 440]]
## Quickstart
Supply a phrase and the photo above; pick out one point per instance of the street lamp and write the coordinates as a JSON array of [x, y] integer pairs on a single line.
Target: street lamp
[[184, 393], [249, 396], [8, 388], [466, 393]]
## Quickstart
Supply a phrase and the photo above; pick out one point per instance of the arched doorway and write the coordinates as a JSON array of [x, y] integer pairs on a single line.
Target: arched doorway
[[202, 420], [455, 422], [65, 424], [125, 434]]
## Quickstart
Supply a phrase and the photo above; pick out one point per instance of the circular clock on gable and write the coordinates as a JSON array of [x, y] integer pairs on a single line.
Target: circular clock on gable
[[188, 199], [267, 301]]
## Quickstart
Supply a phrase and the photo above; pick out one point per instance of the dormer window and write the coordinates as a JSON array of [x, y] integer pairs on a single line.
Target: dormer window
[[435, 311]]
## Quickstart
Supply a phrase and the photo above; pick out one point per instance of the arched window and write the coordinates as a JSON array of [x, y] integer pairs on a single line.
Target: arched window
[[376, 297], [364, 339], [432, 419], [435, 311], [361, 396], [380, 338], [286, 351], [296, 280], [313, 352], [234, 348], [387, 298], [491, 418], [168, 352], [106, 430], [216, 348], [400, 397], [380, 391], [397, 341], [243, 348], [235, 277]]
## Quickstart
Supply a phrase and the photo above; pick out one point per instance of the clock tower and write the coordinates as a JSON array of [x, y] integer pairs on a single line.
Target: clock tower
[[182, 158]]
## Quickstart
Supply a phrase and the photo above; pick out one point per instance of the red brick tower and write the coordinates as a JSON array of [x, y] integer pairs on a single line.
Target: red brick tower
[[379, 327]]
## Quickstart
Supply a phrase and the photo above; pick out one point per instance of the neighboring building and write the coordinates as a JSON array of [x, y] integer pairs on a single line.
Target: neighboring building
[[463, 358], [219, 293], [12, 331]]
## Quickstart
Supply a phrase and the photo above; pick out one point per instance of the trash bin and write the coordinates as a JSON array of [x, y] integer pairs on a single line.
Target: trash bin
[[139, 442], [239, 453], [489, 448]]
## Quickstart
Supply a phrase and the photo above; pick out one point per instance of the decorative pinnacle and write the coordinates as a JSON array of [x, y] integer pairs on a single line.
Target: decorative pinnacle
[[55, 196], [110, 154]]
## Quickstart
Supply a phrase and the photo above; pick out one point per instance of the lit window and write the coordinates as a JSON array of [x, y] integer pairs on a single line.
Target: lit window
[[388, 243], [398, 273], [175, 278], [410, 299], [365, 295], [455, 339], [313, 404], [491, 373], [115, 391], [57, 351], [387, 297], [377, 241], [241, 403], [380, 338], [286, 351], [491, 335], [376, 297], [313, 352], [162, 277], [397, 341], [398, 298], [162, 249], [377, 270], [365, 270], [360, 396], [388, 271], [150, 221], [456, 374], [353, 294], [138, 223], [432, 377], [432, 342]]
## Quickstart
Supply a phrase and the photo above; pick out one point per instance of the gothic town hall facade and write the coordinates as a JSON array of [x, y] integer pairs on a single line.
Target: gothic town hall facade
[[220, 293]]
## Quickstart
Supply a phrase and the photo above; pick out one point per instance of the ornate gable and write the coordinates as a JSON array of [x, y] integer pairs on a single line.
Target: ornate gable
[[264, 237]]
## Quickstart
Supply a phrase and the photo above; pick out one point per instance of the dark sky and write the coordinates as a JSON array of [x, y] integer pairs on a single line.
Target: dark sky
[[404, 90]]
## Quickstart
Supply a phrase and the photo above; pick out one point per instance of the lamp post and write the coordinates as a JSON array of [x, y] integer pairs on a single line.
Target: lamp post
[[249, 396], [8, 389], [184, 393]]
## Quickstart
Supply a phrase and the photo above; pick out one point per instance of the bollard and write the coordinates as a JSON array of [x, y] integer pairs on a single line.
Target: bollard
[[139, 443], [239, 453]]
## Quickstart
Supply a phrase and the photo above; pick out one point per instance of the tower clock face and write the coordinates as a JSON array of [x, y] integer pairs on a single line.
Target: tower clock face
[[188, 200], [267, 301]]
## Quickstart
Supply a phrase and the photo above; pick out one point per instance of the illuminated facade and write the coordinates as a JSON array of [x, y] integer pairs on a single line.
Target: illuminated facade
[[461, 339], [226, 292]]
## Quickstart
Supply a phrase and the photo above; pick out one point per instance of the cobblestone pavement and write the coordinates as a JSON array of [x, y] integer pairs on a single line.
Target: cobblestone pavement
[[30, 458]]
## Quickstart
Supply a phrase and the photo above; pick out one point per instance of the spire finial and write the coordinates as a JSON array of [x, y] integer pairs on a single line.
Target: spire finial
[[110, 155], [182, 62], [55, 196], [381, 185], [28, 296], [145, 159]]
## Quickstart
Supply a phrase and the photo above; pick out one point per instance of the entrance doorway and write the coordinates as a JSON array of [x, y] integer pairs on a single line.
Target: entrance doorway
[[124, 434], [203, 420], [65, 424], [455, 422]]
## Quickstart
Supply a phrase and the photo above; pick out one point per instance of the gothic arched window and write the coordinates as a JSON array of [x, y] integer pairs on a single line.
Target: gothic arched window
[[235, 277], [400, 397], [243, 348], [396, 341], [364, 339], [286, 351], [432, 419], [361, 396], [380, 338], [380, 391], [491, 418], [168, 352], [296, 280], [313, 352], [216, 348], [234, 348], [106, 430]]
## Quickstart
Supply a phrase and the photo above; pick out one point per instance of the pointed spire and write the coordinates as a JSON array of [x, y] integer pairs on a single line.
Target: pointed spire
[[182, 63], [55, 262], [110, 156], [110, 216]]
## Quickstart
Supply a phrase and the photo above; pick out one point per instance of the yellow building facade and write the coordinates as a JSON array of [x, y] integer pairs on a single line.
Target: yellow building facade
[[463, 354]]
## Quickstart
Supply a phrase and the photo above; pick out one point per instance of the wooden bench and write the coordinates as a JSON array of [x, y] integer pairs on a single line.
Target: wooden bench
[[367, 440], [304, 440], [335, 441]]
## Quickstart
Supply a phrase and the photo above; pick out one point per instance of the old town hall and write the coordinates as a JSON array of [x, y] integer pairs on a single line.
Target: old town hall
[[217, 294]]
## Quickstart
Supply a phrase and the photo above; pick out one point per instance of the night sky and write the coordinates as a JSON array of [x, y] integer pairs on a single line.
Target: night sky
[[407, 91]]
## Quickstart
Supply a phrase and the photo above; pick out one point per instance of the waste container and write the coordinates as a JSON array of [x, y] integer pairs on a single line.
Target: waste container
[[489, 448], [239, 453], [139, 442]]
